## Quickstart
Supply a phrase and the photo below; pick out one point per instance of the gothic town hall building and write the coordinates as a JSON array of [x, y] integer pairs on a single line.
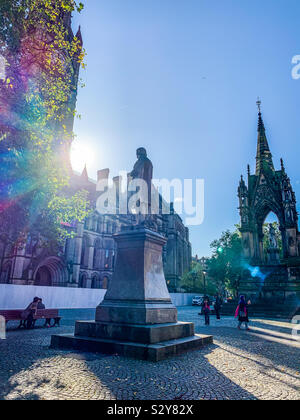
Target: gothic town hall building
[[88, 259]]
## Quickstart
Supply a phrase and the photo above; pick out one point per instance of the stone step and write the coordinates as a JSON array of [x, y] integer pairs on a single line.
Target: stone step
[[282, 309], [151, 352], [145, 334], [263, 314]]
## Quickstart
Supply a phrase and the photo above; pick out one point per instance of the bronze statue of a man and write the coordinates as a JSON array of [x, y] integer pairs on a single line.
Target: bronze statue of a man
[[143, 170]]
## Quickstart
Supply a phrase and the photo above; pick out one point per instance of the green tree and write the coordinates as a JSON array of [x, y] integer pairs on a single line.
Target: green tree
[[195, 281], [225, 265], [192, 281], [37, 101]]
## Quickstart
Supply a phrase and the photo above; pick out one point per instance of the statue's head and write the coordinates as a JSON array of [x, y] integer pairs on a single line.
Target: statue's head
[[141, 153]]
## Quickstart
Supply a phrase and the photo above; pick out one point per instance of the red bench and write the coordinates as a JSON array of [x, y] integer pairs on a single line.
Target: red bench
[[46, 314]]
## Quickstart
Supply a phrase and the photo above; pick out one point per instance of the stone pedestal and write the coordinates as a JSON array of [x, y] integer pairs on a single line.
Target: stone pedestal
[[137, 317], [273, 256], [138, 293]]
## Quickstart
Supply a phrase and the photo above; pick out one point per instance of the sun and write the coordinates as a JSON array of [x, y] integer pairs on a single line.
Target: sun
[[81, 154]]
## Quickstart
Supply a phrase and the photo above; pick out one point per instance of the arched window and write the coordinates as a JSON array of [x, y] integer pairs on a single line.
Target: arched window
[[96, 282], [94, 224], [104, 282], [106, 265], [97, 255], [99, 225], [28, 247], [82, 281], [84, 252], [109, 227]]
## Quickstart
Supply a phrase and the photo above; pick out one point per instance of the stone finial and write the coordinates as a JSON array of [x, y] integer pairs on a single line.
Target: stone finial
[[258, 103]]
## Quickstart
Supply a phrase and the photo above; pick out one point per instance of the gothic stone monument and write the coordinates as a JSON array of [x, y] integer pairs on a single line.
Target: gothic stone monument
[[269, 190], [137, 318]]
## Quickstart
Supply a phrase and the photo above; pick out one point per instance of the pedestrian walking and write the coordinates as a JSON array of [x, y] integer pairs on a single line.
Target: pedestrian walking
[[206, 310], [218, 306], [242, 313]]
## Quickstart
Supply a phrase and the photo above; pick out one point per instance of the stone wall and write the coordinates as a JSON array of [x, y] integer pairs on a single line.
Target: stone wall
[[18, 297]]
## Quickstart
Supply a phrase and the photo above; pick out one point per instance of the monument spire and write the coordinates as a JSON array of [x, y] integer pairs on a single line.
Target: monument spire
[[264, 156], [282, 165], [84, 175]]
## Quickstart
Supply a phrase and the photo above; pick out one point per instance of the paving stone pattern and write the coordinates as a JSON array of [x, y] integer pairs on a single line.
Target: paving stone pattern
[[261, 364]]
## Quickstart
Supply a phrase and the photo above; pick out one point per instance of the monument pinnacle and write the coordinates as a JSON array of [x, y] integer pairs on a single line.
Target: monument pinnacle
[[264, 156]]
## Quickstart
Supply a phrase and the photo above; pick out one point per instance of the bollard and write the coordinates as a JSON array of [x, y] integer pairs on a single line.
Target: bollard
[[2, 328], [2, 68], [296, 329]]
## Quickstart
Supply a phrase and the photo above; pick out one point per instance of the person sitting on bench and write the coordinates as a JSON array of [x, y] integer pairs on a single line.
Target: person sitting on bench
[[40, 304], [29, 313]]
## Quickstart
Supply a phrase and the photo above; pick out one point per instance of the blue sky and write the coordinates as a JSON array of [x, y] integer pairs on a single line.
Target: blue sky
[[181, 78]]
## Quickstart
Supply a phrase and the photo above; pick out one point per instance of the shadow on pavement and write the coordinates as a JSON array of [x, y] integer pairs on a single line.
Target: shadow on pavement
[[185, 377]]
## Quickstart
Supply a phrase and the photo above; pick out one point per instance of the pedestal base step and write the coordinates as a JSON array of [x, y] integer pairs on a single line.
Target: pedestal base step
[[144, 334], [151, 352]]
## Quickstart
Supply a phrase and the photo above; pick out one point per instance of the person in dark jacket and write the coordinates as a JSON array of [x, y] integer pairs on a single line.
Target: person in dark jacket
[[242, 313], [40, 304], [29, 313], [218, 305]]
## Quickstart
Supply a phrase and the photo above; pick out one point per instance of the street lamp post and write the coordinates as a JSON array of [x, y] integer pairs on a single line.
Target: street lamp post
[[194, 275], [204, 281], [204, 268]]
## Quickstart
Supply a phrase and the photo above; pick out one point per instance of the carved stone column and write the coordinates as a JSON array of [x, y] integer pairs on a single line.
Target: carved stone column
[[77, 253]]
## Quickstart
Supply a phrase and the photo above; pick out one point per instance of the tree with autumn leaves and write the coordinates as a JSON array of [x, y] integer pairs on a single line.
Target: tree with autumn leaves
[[37, 110]]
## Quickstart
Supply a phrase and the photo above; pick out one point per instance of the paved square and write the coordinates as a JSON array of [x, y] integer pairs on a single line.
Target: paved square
[[261, 364]]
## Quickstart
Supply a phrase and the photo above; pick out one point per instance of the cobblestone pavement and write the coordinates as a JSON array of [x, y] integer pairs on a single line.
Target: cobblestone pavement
[[261, 364]]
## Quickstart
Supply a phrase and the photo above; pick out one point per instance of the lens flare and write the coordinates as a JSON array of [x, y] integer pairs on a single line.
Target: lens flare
[[81, 154]]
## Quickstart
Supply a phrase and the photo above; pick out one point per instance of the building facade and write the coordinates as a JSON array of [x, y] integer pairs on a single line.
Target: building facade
[[269, 191], [88, 258]]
